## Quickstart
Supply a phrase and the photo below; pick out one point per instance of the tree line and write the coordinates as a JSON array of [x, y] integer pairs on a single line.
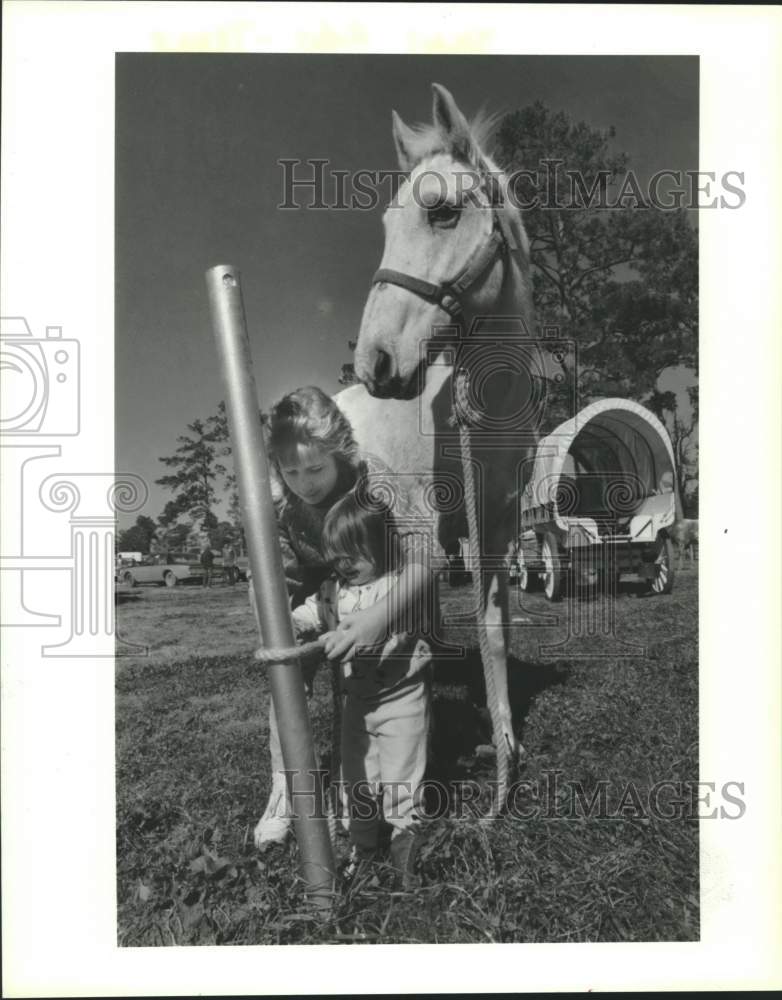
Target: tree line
[[620, 283], [201, 477]]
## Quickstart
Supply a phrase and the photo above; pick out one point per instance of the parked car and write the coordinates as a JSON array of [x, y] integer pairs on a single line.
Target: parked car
[[158, 569]]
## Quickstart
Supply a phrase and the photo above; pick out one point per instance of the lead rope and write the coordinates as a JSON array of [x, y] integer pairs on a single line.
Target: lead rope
[[465, 415], [287, 654], [335, 798]]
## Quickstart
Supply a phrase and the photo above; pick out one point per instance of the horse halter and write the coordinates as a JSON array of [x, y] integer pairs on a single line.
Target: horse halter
[[447, 295]]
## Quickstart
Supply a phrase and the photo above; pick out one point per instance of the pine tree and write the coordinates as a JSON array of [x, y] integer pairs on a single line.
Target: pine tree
[[619, 276], [195, 472]]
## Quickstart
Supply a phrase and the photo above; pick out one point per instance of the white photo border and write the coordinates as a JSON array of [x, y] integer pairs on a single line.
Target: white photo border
[[59, 866]]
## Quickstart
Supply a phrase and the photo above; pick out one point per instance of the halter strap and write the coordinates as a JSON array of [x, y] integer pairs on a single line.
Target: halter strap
[[416, 285], [448, 293]]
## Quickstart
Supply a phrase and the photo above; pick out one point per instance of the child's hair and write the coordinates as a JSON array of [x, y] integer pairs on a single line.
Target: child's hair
[[309, 417], [361, 524]]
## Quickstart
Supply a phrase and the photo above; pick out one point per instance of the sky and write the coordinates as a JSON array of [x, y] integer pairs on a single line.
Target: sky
[[199, 140]]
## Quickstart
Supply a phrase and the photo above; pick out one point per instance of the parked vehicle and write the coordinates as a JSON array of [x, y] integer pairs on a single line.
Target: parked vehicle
[[601, 501], [129, 557], [158, 569], [241, 565]]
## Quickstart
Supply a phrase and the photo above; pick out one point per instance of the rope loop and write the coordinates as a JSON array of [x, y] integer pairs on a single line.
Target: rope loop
[[464, 413], [289, 654]]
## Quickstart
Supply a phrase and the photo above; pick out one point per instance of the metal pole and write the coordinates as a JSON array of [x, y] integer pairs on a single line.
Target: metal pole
[[271, 595]]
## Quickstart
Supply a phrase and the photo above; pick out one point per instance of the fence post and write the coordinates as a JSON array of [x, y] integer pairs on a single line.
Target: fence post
[[271, 595]]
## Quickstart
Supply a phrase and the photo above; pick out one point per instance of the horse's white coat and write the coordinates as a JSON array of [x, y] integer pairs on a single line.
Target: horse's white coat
[[414, 436]]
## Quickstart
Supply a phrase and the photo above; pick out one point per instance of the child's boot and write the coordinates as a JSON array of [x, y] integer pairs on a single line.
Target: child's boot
[[358, 863], [403, 855]]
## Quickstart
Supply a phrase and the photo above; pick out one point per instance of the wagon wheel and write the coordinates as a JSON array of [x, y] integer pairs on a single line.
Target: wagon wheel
[[170, 579], [588, 571], [129, 580], [664, 570], [524, 575], [552, 567]]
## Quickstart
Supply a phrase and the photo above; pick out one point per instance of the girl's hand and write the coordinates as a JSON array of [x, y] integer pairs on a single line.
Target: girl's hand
[[362, 629]]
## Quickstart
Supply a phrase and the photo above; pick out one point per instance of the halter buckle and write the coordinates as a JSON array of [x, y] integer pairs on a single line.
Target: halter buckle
[[450, 303]]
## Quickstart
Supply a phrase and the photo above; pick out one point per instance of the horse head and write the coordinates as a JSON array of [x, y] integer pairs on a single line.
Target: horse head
[[455, 250]]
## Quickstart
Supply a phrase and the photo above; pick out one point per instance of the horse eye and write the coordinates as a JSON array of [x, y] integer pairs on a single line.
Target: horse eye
[[444, 216]]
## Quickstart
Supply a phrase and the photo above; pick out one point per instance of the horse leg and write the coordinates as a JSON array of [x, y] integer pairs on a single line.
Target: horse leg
[[496, 617], [276, 822]]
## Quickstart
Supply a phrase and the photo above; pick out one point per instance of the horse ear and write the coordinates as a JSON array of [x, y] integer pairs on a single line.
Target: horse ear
[[402, 140], [449, 119]]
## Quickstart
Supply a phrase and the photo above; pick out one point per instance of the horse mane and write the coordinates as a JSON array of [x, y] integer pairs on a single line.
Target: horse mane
[[425, 139]]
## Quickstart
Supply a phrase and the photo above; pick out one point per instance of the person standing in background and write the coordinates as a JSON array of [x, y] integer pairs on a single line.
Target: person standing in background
[[207, 563], [229, 563]]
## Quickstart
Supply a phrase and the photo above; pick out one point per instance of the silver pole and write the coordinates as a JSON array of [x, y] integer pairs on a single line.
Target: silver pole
[[271, 596]]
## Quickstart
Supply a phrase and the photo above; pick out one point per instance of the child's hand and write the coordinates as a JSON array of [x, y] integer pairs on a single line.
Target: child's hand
[[329, 639], [366, 628]]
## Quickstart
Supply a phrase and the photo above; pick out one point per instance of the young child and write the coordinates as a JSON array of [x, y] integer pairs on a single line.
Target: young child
[[315, 461], [386, 706]]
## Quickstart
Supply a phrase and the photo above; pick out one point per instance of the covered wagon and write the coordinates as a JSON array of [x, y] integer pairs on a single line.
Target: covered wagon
[[601, 501]]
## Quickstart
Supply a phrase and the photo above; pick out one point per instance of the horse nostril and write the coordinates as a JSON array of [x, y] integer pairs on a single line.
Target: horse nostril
[[382, 366]]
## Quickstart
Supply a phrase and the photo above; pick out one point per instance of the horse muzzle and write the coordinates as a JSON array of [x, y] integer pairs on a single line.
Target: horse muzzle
[[382, 379]]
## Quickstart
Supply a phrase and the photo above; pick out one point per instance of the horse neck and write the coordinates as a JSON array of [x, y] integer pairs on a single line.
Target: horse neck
[[514, 300], [517, 285], [516, 294], [513, 312]]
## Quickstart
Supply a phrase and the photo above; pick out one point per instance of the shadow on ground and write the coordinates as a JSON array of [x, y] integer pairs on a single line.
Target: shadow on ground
[[462, 729], [126, 597]]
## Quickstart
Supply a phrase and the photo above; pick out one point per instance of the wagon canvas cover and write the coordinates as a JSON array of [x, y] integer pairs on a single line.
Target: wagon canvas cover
[[609, 457]]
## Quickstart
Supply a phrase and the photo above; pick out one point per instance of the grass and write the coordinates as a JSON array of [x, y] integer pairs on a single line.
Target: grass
[[192, 777]]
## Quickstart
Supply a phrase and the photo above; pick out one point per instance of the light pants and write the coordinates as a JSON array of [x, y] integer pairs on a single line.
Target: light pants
[[275, 749], [384, 758]]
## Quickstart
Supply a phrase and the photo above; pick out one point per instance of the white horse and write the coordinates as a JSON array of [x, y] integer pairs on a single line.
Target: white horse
[[453, 292]]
